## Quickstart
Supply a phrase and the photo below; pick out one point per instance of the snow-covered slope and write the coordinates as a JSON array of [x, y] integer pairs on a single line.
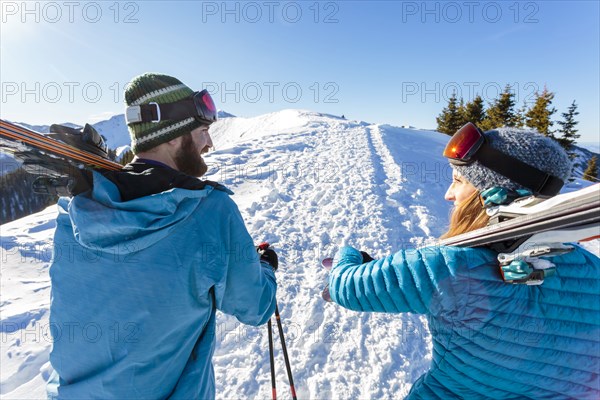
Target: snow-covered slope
[[308, 183], [25, 336], [114, 131], [581, 159]]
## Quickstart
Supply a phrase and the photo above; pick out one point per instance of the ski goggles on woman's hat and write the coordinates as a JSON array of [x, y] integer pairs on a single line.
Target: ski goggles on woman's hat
[[199, 105], [464, 144], [469, 144]]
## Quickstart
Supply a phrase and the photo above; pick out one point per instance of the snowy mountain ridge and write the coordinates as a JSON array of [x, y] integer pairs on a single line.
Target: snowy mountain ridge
[[308, 183], [114, 130]]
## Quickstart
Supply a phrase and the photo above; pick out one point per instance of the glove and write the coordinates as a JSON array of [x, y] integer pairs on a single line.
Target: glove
[[268, 255]]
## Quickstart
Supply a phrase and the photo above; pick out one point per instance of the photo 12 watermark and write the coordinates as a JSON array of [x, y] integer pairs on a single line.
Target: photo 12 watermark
[[69, 252], [306, 331], [452, 12], [36, 331], [54, 12], [253, 12], [53, 92], [73, 92], [273, 92], [236, 173], [441, 92]]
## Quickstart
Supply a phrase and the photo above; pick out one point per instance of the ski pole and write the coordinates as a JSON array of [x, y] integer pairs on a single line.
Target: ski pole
[[285, 353], [272, 360]]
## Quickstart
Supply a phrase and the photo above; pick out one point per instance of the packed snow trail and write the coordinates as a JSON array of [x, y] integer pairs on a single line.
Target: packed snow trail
[[330, 183], [308, 183]]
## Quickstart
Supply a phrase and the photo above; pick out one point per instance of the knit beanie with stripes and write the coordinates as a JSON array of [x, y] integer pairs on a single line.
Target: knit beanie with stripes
[[157, 88]]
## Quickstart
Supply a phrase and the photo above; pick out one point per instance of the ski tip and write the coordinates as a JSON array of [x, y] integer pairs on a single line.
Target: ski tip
[[327, 263], [326, 295]]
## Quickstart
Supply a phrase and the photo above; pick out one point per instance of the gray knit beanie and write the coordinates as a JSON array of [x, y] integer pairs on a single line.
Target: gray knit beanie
[[530, 147], [161, 89]]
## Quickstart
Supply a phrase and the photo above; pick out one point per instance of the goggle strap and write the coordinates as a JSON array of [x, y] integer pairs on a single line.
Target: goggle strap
[[168, 111], [539, 182]]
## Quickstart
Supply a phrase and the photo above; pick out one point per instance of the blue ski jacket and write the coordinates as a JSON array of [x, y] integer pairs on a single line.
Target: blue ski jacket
[[135, 288], [491, 339]]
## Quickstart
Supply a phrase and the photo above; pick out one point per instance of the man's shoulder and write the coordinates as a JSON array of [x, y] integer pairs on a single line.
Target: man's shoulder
[[139, 179], [218, 200]]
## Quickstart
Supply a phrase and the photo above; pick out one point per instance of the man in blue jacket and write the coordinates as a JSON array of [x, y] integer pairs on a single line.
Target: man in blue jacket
[[143, 260]]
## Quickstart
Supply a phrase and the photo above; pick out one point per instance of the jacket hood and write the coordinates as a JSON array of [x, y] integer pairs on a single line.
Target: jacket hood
[[102, 221]]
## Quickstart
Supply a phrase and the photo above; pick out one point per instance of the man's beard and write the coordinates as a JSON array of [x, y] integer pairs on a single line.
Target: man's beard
[[188, 160]]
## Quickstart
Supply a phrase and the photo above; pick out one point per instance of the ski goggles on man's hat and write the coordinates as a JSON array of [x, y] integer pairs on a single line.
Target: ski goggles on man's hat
[[469, 144], [199, 105]]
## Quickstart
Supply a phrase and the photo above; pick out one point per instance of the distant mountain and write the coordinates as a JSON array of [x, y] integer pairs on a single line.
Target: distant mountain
[[114, 131], [45, 128], [591, 146], [224, 114], [581, 160]]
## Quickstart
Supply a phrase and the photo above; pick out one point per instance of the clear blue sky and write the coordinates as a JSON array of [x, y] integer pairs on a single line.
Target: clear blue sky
[[378, 61]]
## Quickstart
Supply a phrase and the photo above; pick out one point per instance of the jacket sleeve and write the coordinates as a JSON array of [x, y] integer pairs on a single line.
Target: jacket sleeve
[[417, 281], [249, 289]]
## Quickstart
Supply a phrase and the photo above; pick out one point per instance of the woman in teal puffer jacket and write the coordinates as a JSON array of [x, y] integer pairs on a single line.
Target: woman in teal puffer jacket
[[491, 339]]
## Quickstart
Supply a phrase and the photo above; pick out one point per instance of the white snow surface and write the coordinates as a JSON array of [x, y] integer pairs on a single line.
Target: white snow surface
[[308, 183], [114, 131]]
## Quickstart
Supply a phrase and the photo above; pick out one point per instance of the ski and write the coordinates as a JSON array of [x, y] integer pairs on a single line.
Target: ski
[[528, 228], [26, 144], [62, 158], [575, 214]]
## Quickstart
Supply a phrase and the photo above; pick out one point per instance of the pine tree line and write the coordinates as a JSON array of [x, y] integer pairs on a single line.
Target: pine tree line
[[126, 157], [502, 113]]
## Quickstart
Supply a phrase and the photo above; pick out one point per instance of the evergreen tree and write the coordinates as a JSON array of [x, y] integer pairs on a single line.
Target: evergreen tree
[[126, 157], [520, 116], [591, 172], [461, 113], [474, 111], [112, 154], [538, 116], [501, 112], [567, 127], [451, 118]]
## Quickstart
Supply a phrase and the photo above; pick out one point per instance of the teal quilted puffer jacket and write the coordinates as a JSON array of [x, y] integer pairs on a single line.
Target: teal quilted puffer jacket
[[490, 339]]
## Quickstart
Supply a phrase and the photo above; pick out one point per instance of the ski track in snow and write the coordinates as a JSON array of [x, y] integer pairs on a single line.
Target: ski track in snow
[[335, 184], [307, 183]]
